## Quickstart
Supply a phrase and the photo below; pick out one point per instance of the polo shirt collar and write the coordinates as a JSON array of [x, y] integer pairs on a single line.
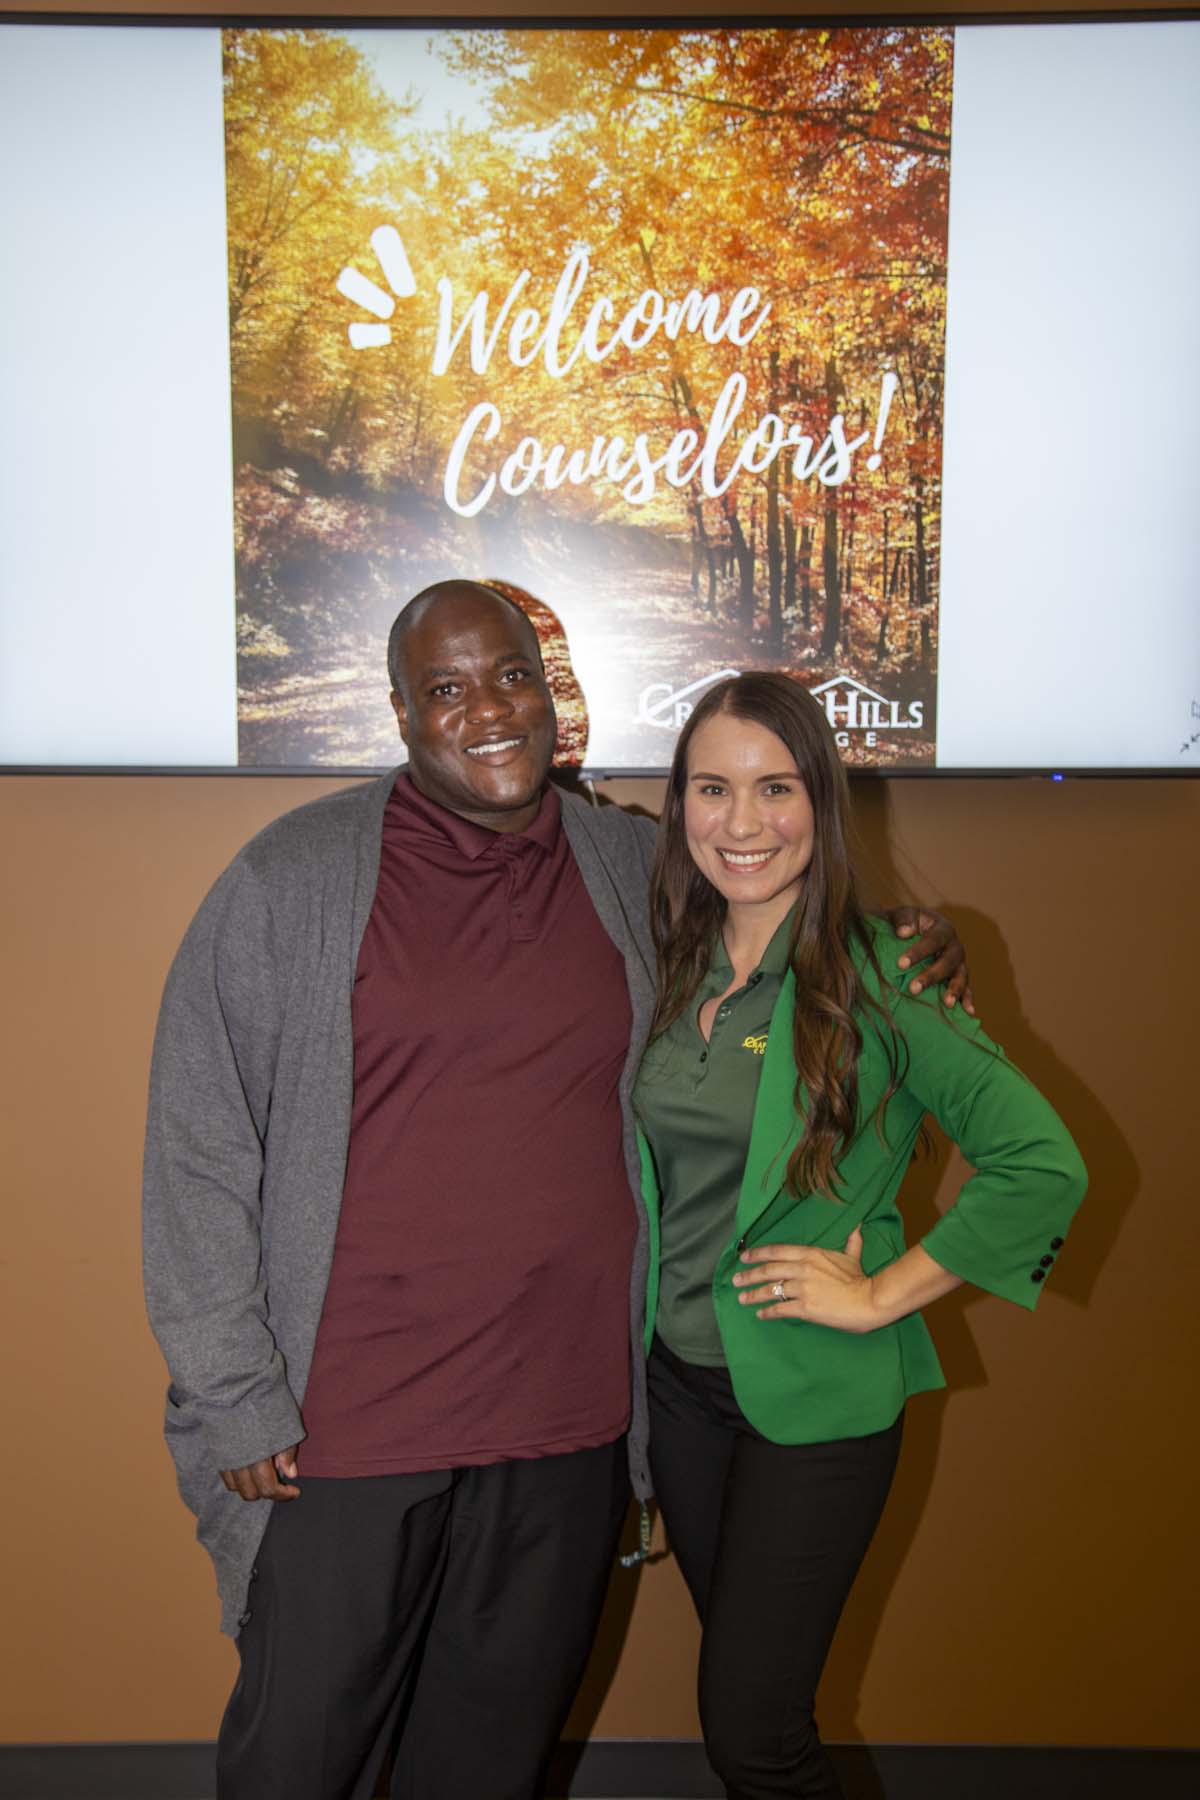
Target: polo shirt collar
[[474, 841], [774, 959]]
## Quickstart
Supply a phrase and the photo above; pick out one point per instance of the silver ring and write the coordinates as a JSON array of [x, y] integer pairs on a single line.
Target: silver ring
[[779, 1291]]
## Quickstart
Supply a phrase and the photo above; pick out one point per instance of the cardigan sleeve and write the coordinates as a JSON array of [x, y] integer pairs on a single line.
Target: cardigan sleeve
[[1009, 1222], [210, 1097]]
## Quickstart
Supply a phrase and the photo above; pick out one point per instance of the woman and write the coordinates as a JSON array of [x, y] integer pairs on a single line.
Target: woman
[[780, 1101]]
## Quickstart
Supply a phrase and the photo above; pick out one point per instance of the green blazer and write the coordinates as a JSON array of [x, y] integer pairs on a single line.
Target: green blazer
[[800, 1383]]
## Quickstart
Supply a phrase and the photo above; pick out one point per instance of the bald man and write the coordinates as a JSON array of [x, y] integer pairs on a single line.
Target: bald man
[[394, 1240]]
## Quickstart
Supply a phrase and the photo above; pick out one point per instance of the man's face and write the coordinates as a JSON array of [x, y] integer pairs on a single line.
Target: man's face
[[476, 713]]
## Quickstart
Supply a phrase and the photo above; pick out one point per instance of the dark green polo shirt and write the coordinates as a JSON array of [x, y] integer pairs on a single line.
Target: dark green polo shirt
[[695, 1104]]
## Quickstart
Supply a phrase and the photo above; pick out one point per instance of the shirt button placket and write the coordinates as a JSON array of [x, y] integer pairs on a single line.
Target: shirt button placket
[[514, 867]]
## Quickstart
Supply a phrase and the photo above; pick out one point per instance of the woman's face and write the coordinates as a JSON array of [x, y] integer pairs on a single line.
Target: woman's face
[[747, 814]]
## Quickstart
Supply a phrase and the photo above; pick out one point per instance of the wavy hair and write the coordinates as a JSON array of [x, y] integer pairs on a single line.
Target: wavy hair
[[828, 926]]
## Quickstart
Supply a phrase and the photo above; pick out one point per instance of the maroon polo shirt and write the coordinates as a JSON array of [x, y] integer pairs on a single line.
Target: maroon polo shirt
[[478, 1304]]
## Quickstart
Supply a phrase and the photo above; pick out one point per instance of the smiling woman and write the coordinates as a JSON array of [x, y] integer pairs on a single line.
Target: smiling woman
[[780, 1101], [748, 820]]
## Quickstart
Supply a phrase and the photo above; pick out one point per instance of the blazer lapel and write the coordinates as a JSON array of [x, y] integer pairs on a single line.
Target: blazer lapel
[[777, 1124]]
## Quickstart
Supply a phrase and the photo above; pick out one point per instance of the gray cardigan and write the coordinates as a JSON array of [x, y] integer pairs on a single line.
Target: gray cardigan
[[250, 1097]]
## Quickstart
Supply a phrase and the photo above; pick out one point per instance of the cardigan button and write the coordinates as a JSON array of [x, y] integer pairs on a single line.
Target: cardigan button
[[1038, 1275], [1056, 1243]]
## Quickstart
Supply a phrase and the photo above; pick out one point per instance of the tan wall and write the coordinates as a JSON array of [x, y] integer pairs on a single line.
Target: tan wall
[[1026, 1583]]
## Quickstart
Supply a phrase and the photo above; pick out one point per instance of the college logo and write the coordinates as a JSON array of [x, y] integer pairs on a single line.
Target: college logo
[[669, 707], [851, 705]]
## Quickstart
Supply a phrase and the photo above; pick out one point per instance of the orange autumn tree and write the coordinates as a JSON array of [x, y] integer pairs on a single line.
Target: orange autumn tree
[[813, 165]]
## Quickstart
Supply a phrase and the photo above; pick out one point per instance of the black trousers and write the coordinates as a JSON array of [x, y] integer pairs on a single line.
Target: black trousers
[[769, 1538], [454, 1610]]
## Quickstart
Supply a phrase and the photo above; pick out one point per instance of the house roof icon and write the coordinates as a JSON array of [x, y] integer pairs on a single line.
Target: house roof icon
[[657, 701], [848, 681]]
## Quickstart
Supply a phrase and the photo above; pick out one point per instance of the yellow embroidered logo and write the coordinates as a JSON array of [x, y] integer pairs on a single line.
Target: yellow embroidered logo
[[756, 1044]]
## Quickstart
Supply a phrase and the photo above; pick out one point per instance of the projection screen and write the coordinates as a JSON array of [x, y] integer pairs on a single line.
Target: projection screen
[[865, 353]]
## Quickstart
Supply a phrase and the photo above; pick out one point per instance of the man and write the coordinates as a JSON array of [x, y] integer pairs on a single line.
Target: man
[[393, 1213]]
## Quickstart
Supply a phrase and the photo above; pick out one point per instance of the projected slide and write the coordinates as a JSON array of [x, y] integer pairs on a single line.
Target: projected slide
[[650, 322], [865, 354]]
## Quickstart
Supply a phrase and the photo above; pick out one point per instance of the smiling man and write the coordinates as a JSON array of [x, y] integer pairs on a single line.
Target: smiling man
[[395, 1249]]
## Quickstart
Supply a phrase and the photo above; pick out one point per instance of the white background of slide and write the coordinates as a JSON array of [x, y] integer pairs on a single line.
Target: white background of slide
[[1070, 615], [1071, 541], [116, 485]]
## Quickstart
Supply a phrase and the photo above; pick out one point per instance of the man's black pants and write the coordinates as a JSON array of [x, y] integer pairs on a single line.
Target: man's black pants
[[769, 1538], [454, 1610]]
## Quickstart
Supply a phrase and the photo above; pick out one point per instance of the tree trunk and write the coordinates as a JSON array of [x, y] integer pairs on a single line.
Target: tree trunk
[[806, 550], [922, 571], [700, 532], [338, 418], [744, 557], [789, 560], [774, 534], [884, 608], [415, 440], [847, 580], [832, 629]]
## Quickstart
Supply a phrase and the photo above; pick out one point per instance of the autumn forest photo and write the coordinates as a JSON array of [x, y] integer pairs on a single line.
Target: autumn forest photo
[[645, 326]]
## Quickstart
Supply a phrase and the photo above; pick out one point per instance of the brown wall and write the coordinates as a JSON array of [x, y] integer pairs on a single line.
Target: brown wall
[[1025, 1584]]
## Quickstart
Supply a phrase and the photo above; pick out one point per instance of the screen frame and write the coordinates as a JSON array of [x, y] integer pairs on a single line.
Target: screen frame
[[793, 18]]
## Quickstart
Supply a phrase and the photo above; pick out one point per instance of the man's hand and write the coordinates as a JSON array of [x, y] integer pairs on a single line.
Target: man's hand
[[938, 945], [260, 1480]]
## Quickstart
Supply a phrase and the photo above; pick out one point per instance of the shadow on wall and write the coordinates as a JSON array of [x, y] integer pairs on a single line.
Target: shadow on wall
[[1115, 1178]]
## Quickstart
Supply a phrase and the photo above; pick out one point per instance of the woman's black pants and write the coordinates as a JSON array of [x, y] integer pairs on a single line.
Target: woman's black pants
[[769, 1538]]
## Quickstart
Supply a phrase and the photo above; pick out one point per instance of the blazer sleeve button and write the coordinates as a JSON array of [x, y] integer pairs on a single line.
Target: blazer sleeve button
[[1038, 1275], [1047, 1261], [1056, 1243]]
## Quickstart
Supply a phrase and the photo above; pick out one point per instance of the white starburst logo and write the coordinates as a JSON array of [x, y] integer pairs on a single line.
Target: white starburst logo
[[358, 288]]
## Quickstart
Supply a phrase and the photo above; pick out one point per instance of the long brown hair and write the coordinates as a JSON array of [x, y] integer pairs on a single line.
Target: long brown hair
[[828, 926]]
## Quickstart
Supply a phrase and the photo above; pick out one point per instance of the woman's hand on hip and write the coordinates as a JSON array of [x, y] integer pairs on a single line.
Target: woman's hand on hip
[[798, 1281]]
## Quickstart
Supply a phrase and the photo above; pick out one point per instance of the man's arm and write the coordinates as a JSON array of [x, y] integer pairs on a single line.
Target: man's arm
[[939, 948], [210, 1091]]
